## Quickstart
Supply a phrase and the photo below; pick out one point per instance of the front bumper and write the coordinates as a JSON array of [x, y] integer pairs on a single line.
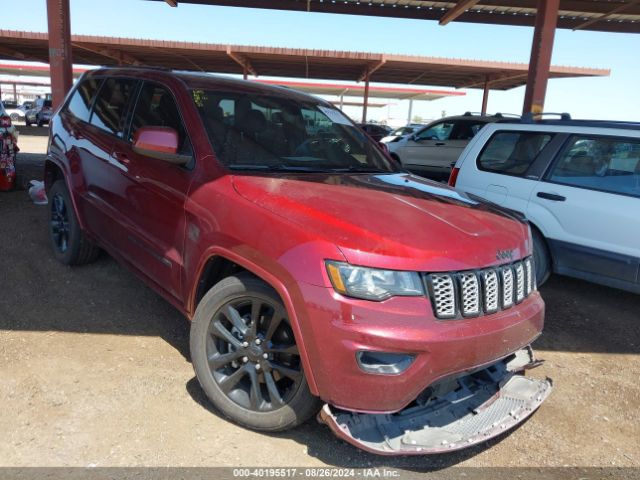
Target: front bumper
[[335, 328], [454, 414]]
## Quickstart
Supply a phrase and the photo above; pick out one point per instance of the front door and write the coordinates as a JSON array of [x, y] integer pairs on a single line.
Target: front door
[[156, 192]]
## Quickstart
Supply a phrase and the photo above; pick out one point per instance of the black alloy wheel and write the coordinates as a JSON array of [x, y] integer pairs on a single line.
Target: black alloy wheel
[[247, 358], [59, 223], [252, 354]]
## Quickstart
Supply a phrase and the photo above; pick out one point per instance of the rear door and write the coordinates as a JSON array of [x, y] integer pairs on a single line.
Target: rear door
[[509, 166], [428, 147], [589, 204], [438, 147], [106, 193], [156, 192]]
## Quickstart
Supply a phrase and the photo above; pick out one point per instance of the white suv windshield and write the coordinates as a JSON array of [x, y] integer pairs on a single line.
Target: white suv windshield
[[261, 132]]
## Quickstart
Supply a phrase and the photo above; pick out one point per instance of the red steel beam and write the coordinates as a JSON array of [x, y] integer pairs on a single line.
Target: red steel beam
[[541, 49], [365, 101], [619, 9], [61, 65], [454, 12], [485, 97]]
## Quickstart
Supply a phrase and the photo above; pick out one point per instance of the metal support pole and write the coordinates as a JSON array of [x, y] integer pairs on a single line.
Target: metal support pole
[[245, 73], [60, 63], [15, 93], [366, 99], [541, 49], [485, 97], [341, 102], [410, 111]]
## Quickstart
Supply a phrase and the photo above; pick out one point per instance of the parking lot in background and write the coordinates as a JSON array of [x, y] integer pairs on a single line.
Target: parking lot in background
[[95, 368]]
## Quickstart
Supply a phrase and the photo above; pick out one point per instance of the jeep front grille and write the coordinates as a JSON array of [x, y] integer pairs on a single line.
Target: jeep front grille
[[471, 293]]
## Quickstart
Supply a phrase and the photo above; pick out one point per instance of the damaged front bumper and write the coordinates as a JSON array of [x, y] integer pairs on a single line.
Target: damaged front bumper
[[452, 414]]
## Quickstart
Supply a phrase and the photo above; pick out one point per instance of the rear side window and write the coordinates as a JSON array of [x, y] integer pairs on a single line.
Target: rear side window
[[600, 163], [465, 130], [111, 104], [156, 107], [80, 103], [440, 131], [512, 153]]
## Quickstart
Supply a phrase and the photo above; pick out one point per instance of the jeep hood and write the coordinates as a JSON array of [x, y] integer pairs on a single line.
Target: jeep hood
[[397, 220]]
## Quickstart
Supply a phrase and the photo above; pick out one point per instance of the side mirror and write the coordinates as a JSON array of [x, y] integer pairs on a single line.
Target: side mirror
[[160, 143]]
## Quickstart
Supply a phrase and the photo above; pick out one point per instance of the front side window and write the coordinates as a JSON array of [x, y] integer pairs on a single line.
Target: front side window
[[271, 132], [512, 153], [600, 163], [440, 131], [111, 104], [80, 103], [156, 107]]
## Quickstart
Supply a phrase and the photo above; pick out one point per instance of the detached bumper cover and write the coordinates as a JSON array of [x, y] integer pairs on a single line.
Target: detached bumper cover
[[453, 414]]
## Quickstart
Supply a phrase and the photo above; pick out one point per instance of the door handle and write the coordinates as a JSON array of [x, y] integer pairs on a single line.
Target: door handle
[[551, 196], [122, 158]]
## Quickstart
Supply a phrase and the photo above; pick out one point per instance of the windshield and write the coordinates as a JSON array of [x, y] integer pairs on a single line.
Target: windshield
[[269, 132]]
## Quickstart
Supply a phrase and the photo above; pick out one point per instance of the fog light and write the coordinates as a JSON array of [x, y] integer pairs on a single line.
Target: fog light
[[384, 363]]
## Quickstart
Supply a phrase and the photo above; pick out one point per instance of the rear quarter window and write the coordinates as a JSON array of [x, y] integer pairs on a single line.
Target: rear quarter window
[[80, 103], [512, 153]]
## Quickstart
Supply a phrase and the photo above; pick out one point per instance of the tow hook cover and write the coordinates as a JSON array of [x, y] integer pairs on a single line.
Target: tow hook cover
[[452, 414]]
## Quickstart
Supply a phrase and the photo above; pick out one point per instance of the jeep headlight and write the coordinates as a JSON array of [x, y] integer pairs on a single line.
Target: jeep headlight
[[372, 283]]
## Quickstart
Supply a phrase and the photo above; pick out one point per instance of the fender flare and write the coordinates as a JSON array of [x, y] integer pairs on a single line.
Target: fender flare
[[275, 283], [65, 176]]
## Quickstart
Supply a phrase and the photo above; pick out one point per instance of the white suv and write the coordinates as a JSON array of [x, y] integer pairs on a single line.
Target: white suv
[[578, 184]]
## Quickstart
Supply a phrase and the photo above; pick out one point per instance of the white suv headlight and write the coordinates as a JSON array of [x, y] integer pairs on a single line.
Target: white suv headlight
[[372, 283]]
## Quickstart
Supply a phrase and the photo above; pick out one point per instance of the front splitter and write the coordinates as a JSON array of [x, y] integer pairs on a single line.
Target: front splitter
[[469, 410]]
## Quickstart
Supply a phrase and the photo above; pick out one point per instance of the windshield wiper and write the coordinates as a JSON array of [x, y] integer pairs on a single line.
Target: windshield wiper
[[359, 170], [275, 168]]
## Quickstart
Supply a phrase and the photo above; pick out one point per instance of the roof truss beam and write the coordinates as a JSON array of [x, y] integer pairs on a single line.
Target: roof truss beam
[[493, 79], [615, 11], [242, 60], [371, 69], [454, 12], [113, 54], [15, 54]]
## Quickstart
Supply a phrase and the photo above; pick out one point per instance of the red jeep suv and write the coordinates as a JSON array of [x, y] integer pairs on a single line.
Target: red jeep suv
[[313, 268]]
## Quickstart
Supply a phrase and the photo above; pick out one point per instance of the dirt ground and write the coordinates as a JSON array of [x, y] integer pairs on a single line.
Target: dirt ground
[[95, 371]]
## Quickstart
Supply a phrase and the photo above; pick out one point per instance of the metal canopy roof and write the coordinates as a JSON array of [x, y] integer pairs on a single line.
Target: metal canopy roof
[[281, 62], [606, 16], [338, 90]]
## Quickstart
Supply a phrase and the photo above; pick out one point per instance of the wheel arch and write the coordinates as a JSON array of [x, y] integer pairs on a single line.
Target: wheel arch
[[218, 263], [54, 171], [537, 229]]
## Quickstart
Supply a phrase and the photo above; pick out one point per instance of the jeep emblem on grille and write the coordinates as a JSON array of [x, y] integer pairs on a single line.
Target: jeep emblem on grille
[[504, 254]]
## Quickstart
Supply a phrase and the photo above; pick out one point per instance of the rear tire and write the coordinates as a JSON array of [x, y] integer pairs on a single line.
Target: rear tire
[[68, 241], [246, 359], [541, 257]]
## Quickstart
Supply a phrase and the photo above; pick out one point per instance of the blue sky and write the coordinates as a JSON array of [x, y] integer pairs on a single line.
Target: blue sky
[[615, 97]]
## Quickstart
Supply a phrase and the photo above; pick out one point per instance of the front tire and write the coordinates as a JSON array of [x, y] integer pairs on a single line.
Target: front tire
[[541, 257], [68, 241], [245, 356]]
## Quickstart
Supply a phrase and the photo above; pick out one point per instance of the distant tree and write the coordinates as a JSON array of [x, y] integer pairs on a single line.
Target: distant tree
[[416, 119], [444, 113]]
